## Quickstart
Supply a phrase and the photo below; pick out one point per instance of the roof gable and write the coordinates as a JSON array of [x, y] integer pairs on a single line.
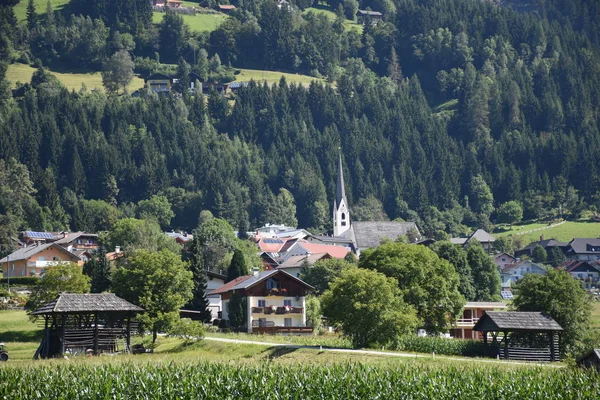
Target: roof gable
[[26, 252], [247, 281], [85, 303]]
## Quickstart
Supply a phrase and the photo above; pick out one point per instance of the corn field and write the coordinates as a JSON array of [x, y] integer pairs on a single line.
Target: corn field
[[168, 380]]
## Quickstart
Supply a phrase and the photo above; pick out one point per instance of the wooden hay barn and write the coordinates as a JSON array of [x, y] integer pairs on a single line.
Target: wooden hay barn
[[528, 336], [75, 323]]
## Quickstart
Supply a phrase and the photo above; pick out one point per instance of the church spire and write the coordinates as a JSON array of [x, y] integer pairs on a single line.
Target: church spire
[[341, 214], [340, 192]]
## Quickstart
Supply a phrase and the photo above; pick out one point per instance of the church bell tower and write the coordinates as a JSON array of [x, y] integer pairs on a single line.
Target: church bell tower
[[341, 214]]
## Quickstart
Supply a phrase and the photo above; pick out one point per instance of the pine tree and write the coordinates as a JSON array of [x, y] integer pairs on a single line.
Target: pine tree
[[31, 15]]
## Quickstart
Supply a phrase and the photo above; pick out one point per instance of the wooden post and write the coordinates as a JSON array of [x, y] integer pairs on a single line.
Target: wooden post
[[95, 334], [62, 336], [552, 351], [128, 335], [505, 345], [47, 334], [485, 343]]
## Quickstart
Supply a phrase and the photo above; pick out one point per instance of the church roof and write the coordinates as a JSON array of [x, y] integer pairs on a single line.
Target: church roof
[[370, 233]]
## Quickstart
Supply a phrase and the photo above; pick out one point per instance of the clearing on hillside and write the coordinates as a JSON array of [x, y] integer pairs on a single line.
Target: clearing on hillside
[[563, 233], [92, 80], [198, 22]]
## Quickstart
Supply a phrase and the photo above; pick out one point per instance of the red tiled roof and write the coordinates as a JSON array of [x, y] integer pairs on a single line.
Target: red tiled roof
[[226, 7], [270, 245], [316, 248]]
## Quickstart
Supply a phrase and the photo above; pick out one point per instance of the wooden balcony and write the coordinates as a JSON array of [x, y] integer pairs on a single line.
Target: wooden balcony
[[278, 310], [466, 322]]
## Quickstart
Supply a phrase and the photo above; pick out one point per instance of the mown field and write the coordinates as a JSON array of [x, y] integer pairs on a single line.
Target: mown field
[[272, 77], [326, 10], [564, 232], [198, 22], [92, 80], [40, 7]]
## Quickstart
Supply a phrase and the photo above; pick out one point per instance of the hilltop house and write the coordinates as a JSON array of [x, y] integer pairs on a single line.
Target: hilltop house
[[472, 311], [369, 17], [364, 234], [513, 273], [32, 260], [159, 83], [275, 301]]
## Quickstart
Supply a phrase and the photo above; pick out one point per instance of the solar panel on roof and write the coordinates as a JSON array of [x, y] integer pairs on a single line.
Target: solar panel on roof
[[273, 241], [39, 235]]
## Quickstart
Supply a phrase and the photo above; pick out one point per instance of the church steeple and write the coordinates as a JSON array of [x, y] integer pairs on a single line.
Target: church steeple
[[341, 214]]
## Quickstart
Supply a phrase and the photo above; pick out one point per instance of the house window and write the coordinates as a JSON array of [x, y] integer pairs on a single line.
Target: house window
[[41, 258], [343, 216], [55, 259], [262, 303], [287, 303], [287, 322]]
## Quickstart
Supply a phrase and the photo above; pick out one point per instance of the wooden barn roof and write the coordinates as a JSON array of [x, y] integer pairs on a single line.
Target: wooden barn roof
[[516, 321], [86, 303]]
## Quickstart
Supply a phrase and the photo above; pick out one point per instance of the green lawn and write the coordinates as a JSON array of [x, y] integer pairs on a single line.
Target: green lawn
[[93, 80], [21, 336], [198, 22], [324, 9], [40, 7], [563, 233], [274, 76]]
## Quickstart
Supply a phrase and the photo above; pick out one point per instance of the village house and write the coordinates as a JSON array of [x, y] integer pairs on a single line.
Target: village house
[[303, 247], [214, 281], [275, 301], [546, 244], [167, 3], [79, 241], [182, 238], [472, 311], [295, 264], [159, 83], [504, 259], [584, 249], [513, 273], [226, 8], [33, 260], [369, 17], [588, 274], [480, 235]]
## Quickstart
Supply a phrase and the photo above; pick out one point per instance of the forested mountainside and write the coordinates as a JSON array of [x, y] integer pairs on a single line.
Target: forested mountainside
[[443, 111]]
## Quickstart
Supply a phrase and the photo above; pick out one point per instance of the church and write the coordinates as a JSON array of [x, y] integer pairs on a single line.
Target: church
[[363, 234]]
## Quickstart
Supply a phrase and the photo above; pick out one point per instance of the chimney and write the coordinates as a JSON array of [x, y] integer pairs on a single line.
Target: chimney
[[117, 249], [541, 237], [255, 271]]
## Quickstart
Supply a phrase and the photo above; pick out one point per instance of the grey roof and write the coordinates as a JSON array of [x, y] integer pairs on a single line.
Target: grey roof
[[545, 244], [69, 237], [297, 261], [482, 236], [331, 239], [25, 252], [245, 282], [584, 245], [340, 191], [372, 13], [83, 303], [370, 234], [485, 304], [516, 321]]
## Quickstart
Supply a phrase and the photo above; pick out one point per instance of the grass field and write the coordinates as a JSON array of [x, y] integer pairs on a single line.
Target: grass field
[[22, 73], [40, 7], [563, 233], [198, 22], [324, 9], [274, 76]]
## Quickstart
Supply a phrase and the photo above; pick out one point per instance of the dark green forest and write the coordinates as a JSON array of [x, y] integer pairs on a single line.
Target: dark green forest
[[444, 112]]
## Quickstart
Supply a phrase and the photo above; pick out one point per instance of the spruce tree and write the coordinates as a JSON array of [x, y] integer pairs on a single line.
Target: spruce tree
[[199, 301], [31, 15]]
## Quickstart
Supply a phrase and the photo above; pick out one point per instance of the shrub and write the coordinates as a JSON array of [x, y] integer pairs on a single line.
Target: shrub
[[188, 330], [21, 280]]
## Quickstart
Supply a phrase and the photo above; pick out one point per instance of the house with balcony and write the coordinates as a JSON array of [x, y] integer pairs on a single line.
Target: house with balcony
[[275, 302], [32, 260], [472, 311], [588, 274], [79, 241], [583, 249]]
